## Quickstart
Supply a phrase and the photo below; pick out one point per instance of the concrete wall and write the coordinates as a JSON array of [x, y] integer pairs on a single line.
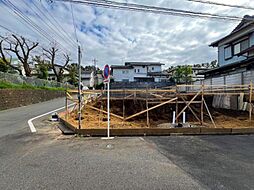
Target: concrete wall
[[10, 98]]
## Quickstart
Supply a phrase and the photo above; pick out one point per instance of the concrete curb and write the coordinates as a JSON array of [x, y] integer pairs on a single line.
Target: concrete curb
[[160, 131]]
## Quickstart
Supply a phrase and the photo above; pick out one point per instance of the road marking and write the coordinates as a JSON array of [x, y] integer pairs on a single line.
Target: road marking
[[30, 123]]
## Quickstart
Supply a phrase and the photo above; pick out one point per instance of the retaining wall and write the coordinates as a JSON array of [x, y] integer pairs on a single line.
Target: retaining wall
[[10, 98], [18, 79]]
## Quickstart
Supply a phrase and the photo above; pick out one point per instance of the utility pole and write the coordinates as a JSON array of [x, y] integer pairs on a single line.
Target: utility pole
[[79, 87]]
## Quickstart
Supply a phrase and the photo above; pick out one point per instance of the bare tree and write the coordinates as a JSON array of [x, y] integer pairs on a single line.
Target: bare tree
[[57, 69], [22, 48], [4, 58]]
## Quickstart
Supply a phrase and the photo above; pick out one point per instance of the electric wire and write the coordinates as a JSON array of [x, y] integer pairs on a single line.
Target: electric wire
[[153, 9], [54, 32], [223, 4], [33, 25]]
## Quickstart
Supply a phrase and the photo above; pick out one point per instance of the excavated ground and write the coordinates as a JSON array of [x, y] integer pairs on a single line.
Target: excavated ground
[[160, 117]]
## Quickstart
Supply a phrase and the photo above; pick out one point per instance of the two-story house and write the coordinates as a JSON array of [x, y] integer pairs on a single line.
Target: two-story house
[[235, 56], [138, 72]]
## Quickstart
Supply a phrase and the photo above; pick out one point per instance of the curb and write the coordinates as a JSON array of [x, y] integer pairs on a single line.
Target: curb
[[159, 131]]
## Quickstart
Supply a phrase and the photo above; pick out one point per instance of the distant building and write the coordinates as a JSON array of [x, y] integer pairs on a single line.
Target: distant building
[[196, 70], [138, 72], [235, 56], [87, 75]]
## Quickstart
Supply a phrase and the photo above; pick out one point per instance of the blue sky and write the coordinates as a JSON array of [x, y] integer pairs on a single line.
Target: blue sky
[[115, 36]]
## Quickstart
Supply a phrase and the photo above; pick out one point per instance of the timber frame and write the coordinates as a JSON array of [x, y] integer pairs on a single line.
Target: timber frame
[[187, 95]]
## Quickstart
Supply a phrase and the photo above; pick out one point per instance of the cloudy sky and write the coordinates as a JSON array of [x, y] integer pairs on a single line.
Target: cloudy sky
[[115, 36]]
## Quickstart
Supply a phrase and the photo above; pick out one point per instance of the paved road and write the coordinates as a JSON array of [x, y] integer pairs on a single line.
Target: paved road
[[49, 160], [15, 120]]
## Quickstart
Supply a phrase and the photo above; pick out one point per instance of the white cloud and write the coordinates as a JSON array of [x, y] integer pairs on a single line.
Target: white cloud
[[112, 36]]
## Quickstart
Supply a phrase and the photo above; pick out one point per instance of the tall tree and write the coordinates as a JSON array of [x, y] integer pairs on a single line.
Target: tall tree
[[22, 49], [57, 69], [6, 62]]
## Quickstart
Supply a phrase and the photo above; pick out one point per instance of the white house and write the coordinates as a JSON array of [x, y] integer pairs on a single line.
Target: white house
[[138, 72]]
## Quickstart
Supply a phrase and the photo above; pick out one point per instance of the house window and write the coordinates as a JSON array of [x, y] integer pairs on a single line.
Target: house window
[[135, 70], [138, 70], [152, 68], [123, 72], [241, 46], [237, 48], [228, 52]]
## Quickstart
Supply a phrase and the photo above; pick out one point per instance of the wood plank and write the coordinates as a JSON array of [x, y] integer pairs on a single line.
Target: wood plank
[[154, 107]]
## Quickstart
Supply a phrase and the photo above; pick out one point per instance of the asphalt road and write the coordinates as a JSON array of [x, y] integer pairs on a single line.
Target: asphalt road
[[13, 121], [49, 160]]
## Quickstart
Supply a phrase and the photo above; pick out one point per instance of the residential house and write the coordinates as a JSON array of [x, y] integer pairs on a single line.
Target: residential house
[[235, 56], [138, 72]]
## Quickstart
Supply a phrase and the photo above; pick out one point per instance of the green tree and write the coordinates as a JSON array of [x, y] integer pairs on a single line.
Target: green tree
[[73, 74], [182, 74], [42, 67]]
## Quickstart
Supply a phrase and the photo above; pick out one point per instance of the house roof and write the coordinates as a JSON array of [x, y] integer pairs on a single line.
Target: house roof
[[158, 74], [121, 67], [246, 22], [221, 69], [143, 64]]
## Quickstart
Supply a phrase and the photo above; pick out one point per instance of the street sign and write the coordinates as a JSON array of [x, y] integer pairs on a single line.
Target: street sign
[[106, 72]]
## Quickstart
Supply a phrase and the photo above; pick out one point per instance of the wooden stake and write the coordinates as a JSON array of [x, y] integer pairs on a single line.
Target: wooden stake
[[147, 113], [177, 103], [209, 114], [188, 104], [250, 101], [202, 104], [66, 106], [195, 115]]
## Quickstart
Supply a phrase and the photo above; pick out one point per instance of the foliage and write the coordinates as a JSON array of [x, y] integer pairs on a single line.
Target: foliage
[[42, 67], [182, 74], [8, 85], [3, 67], [73, 74]]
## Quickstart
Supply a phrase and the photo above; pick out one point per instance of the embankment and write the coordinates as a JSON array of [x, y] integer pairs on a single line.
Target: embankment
[[12, 98]]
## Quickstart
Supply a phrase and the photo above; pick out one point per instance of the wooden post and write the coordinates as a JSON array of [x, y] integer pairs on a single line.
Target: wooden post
[[147, 113], [124, 94], [210, 115], [66, 105], [202, 104], [177, 102], [250, 101]]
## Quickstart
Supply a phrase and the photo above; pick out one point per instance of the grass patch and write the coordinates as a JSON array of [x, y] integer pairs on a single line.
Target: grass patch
[[8, 85]]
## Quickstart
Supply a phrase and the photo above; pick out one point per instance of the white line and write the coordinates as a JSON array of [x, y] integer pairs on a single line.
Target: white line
[[30, 123]]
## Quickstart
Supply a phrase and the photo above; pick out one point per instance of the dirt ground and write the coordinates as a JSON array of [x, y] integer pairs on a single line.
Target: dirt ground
[[92, 119]]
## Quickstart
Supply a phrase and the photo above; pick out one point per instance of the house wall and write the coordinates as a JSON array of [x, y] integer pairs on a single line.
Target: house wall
[[120, 75], [241, 78], [234, 59]]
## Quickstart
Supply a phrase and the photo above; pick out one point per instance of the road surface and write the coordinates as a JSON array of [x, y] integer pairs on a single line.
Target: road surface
[[49, 160]]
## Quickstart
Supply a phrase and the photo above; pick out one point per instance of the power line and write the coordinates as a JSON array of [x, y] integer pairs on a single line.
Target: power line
[[73, 22], [222, 4], [54, 33], [30, 23], [55, 28], [58, 24], [152, 9]]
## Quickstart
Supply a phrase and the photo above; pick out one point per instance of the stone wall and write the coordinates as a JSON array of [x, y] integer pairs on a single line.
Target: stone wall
[[18, 79], [10, 98]]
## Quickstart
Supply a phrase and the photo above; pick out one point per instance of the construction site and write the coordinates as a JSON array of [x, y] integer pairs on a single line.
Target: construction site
[[185, 109]]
